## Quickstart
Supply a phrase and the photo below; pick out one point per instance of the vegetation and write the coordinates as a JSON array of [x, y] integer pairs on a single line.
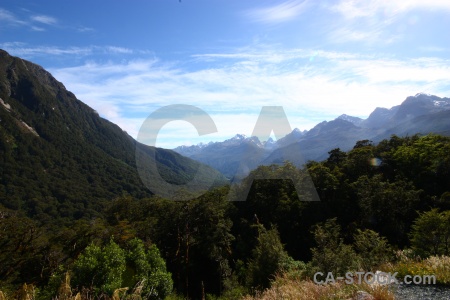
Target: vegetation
[[210, 247], [288, 288]]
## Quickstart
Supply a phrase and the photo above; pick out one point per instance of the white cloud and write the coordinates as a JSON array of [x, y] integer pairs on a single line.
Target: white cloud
[[21, 49], [377, 21], [234, 89], [84, 29], [47, 20], [36, 28], [122, 50], [7, 17], [279, 13], [370, 8]]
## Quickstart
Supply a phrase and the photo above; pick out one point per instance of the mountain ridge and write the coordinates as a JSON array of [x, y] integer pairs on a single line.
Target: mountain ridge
[[342, 132]]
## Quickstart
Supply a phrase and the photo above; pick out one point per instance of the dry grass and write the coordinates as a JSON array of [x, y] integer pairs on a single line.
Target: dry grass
[[285, 288], [438, 266], [27, 292]]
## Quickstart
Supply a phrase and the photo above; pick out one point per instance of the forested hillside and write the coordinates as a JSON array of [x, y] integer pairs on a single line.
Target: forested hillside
[[374, 198], [59, 159]]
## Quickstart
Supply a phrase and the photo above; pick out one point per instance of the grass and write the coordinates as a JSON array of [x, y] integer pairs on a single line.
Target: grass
[[285, 286], [65, 292], [288, 288], [438, 266]]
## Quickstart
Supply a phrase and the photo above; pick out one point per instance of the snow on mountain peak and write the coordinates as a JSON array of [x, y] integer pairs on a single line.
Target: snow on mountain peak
[[422, 94], [239, 137], [351, 119]]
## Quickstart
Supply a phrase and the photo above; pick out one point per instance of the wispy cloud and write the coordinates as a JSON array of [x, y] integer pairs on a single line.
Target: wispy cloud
[[432, 49], [44, 19], [369, 8], [25, 51], [279, 13], [33, 22], [22, 50], [84, 29], [8, 18], [234, 90], [36, 28], [122, 50], [376, 21]]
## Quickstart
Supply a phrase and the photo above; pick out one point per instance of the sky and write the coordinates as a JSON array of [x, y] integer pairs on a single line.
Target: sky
[[316, 59]]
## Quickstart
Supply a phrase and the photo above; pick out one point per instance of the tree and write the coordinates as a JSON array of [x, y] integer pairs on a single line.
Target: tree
[[147, 267], [386, 207], [426, 161], [358, 162], [324, 180], [109, 269], [267, 258], [336, 157], [331, 254], [431, 233], [100, 268], [363, 143], [372, 248]]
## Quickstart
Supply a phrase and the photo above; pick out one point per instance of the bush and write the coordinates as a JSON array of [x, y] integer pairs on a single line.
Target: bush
[[109, 269], [373, 249], [267, 258], [100, 268], [430, 233], [331, 254]]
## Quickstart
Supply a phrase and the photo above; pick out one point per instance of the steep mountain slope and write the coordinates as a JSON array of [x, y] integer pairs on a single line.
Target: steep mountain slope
[[58, 158]]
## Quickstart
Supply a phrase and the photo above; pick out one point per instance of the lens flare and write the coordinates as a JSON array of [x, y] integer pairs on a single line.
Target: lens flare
[[376, 162]]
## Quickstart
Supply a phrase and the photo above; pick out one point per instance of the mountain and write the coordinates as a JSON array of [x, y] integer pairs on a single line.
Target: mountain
[[60, 159], [379, 117], [311, 145], [421, 114], [290, 138], [354, 120], [230, 155]]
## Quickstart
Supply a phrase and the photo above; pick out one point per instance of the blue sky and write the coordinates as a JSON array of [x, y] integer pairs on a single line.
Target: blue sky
[[317, 59]]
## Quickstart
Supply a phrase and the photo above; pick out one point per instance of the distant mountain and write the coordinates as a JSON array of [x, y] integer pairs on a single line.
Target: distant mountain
[[58, 158], [290, 138], [354, 120], [228, 155], [313, 144], [421, 113], [379, 118]]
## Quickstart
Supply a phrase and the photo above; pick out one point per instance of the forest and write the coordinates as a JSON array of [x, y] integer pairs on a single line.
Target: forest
[[382, 207]]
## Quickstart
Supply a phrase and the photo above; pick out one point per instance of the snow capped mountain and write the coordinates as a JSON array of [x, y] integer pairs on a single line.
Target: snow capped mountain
[[354, 120], [239, 137]]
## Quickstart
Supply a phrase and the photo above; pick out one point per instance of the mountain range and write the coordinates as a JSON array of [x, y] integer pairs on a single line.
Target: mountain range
[[60, 159], [422, 113]]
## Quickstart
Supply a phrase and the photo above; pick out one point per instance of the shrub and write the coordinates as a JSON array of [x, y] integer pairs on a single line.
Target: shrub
[[331, 254], [373, 249]]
